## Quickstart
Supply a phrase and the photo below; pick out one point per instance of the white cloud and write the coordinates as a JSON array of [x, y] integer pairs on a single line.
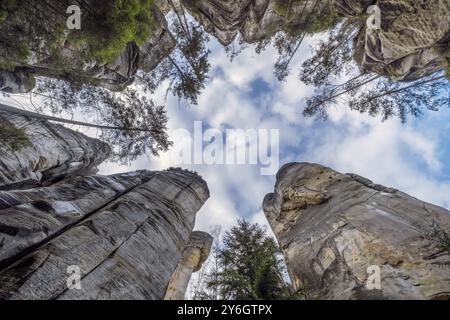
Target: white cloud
[[403, 156]]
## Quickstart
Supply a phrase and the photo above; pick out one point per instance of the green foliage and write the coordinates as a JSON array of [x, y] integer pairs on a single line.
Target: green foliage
[[142, 123], [17, 52], [107, 31], [186, 68], [40, 27], [5, 8], [324, 20], [30, 27], [282, 7], [12, 50], [13, 137], [365, 92], [250, 267]]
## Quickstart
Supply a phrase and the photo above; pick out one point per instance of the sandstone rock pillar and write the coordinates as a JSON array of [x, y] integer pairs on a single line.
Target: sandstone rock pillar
[[55, 153], [195, 253], [339, 232], [112, 237]]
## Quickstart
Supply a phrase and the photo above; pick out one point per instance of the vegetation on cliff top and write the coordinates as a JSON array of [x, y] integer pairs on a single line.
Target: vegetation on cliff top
[[186, 68], [107, 29], [363, 91], [38, 29]]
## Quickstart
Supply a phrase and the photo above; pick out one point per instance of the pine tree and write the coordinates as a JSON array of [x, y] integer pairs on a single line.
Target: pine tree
[[249, 265], [130, 122]]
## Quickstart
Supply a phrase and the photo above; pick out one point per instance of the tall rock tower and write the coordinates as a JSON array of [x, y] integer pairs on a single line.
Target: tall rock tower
[[344, 237], [66, 233]]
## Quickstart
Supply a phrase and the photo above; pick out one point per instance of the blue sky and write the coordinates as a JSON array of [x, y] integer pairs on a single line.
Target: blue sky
[[412, 157]]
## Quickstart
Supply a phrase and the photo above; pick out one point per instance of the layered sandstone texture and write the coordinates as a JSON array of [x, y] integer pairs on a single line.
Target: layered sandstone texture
[[194, 255], [413, 40], [53, 153], [334, 229], [66, 233]]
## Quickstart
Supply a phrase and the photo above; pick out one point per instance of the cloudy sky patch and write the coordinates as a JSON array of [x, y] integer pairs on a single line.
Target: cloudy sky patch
[[244, 94]]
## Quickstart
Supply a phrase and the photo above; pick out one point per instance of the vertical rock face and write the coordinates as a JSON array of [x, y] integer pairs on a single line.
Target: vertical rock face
[[158, 47], [55, 152], [195, 253], [412, 42], [332, 227], [124, 233], [255, 20]]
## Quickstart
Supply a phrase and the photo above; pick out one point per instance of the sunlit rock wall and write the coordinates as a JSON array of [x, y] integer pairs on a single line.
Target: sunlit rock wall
[[413, 40], [331, 227]]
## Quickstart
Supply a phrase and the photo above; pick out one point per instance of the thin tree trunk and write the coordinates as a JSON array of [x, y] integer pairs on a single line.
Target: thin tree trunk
[[341, 43], [346, 91], [286, 65], [387, 93], [185, 22], [177, 67], [30, 114], [302, 38], [288, 10]]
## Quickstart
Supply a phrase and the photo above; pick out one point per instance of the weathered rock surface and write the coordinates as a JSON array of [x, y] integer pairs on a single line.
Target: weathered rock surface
[[255, 20], [412, 42], [332, 227], [158, 47], [195, 253], [55, 153], [118, 75], [16, 82], [126, 232]]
